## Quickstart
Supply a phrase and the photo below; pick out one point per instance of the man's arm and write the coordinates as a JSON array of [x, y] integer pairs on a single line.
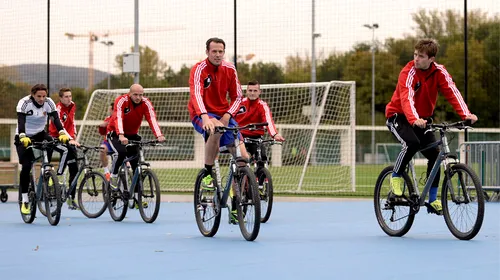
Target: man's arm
[[196, 89], [151, 118], [451, 92], [234, 92], [407, 94], [268, 117]]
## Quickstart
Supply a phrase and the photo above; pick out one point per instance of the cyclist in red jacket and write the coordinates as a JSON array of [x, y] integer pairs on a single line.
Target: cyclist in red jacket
[[128, 111], [255, 110], [412, 105], [66, 109], [210, 82]]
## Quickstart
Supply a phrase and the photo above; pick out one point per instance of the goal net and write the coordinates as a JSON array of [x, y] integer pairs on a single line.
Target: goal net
[[316, 119]]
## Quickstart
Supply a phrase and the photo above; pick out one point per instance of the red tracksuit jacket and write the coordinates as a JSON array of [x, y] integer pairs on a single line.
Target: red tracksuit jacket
[[209, 86], [255, 111], [417, 91], [127, 117], [67, 117]]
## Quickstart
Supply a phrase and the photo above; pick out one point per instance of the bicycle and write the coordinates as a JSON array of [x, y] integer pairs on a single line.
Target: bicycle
[[208, 204], [148, 188], [461, 191], [46, 193], [92, 189], [263, 176]]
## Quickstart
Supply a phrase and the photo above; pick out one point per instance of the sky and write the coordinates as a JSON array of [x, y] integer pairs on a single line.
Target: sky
[[269, 29]]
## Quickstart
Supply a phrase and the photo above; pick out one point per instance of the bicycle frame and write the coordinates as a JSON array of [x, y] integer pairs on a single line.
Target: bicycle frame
[[45, 164], [83, 167], [233, 169], [135, 177], [442, 157]]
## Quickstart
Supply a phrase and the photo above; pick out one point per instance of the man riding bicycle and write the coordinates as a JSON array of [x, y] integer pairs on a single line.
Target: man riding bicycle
[[210, 81], [254, 110], [411, 106], [128, 111]]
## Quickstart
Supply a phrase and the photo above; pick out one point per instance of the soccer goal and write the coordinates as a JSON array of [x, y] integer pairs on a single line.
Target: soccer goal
[[316, 119]]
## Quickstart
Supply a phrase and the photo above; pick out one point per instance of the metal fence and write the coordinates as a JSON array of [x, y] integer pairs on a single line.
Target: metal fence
[[484, 158]]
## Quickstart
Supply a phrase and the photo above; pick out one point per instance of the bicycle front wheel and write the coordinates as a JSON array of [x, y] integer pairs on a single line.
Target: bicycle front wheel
[[394, 214], [265, 193], [117, 200], [92, 194], [248, 204], [29, 218], [52, 197], [207, 208], [463, 201], [149, 196]]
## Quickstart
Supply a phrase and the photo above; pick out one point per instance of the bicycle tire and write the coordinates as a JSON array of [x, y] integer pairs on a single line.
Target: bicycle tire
[[92, 194], [117, 201], [41, 201], [150, 193], [263, 175], [29, 218], [207, 213], [52, 197], [248, 204], [384, 200], [472, 197]]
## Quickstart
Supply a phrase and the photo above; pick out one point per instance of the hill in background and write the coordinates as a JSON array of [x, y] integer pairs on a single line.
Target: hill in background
[[60, 75]]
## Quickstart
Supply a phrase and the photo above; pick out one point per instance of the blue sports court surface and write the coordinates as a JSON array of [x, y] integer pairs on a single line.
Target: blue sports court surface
[[338, 239]]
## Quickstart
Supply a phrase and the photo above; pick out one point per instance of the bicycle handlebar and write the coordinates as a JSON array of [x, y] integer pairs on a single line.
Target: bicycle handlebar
[[89, 148], [143, 143], [445, 126], [44, 144], [250, 126], [261, 141]]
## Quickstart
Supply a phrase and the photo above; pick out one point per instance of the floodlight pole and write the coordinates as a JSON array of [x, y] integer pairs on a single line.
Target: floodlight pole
[[373, 27]]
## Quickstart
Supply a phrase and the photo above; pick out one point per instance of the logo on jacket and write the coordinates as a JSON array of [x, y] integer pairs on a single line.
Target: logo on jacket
[[64, 117], [242, 110], [207, 81], [29, 113], [127, 110], [417, 86]]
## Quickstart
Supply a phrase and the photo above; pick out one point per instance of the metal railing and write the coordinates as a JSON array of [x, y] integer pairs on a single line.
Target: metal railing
[[484, 158]]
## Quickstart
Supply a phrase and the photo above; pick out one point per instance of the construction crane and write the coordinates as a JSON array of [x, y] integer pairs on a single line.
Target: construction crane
[[95, 36]]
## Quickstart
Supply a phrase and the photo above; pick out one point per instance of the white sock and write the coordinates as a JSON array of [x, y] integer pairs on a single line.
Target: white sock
[[106, 170], [25, 197]]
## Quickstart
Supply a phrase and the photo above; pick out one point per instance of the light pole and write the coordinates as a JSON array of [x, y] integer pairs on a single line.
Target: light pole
[[108, 44], [373, 27]]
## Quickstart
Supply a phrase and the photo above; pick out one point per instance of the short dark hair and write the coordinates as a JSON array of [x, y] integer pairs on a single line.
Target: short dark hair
[[215, 40], [253, 83], [63, 90], [38, 87], [427, 46]]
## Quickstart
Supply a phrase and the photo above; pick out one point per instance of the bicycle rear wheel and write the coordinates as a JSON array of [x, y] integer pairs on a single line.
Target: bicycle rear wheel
[[52, 197], [92, 194], [265, 193], [394, 214], [207, 208], [118, 200], [465, 212], [29, 218], [248, 204], [149, 196]]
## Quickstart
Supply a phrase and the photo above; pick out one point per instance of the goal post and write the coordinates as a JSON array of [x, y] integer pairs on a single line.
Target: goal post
[[318, 156]]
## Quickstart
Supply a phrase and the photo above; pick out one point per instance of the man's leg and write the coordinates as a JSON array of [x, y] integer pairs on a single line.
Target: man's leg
[[404, 133]]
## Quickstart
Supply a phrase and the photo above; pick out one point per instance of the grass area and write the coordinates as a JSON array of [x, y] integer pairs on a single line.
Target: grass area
[[318, 180]]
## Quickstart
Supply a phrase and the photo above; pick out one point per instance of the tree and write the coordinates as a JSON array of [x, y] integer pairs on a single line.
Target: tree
[[297, 69]]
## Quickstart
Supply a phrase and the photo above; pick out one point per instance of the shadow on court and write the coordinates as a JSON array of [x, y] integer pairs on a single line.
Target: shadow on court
[[302, 240]]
